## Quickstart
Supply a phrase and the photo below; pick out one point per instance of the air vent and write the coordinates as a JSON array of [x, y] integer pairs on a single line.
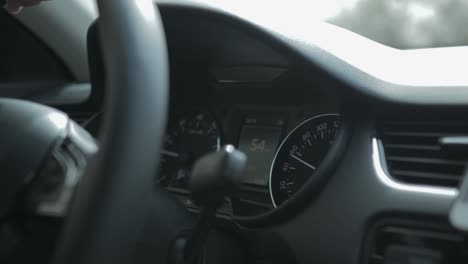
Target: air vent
[[412, 242], [414, 152]]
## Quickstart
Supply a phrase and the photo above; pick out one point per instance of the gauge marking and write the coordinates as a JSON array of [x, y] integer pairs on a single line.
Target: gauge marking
[[305, 163], [313, 137]]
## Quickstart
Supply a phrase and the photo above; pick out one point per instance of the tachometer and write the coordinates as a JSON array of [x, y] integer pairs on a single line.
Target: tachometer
[[300, 155], [190, 137]]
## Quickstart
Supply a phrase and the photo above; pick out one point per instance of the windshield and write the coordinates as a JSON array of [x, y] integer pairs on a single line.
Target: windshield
[[402, 24]]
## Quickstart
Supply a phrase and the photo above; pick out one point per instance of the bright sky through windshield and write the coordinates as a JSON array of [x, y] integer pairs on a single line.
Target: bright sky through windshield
[[403, 24], [406, 23]]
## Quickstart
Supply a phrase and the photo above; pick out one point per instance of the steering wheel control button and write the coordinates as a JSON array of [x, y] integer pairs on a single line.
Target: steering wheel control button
[[49, 181], [52, 189], [407, 255]]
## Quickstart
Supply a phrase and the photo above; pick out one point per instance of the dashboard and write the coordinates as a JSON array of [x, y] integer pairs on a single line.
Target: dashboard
[[344, 149], [269, 94], [351, 185]]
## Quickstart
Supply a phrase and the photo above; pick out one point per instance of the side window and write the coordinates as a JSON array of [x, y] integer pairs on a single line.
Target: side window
[[24, 58]]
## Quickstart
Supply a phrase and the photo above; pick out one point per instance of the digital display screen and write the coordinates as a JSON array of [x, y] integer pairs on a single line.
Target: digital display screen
[[259, 143]]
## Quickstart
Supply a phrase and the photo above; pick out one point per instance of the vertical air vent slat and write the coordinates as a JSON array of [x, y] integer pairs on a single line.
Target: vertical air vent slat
[[424, 175], [413, 147], [425, 160], [416, 134], [413, 150]]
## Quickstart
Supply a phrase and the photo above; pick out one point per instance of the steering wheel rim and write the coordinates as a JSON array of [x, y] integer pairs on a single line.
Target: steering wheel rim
[[117, 194]]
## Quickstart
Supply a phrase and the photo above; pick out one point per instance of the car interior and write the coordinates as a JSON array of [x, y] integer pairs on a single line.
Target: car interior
[[207, 132]]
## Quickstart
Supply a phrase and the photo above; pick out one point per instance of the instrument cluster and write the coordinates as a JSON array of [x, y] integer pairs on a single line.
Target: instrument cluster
[[284, 146]]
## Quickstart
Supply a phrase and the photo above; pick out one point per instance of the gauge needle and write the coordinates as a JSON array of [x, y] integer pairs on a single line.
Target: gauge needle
[[170, 153], [303, 162]]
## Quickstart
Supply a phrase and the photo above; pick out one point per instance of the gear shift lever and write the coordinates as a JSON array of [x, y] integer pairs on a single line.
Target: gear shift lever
[[214, 176]]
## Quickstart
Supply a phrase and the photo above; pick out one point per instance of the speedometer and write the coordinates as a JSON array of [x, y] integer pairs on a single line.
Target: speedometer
[[300, 155]]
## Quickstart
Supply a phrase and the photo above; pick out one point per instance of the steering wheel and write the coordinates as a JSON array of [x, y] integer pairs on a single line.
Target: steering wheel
[[117, 214]]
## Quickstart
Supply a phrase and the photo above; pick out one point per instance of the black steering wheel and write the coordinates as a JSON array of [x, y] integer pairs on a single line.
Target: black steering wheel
[[117, 215], [117, 197]]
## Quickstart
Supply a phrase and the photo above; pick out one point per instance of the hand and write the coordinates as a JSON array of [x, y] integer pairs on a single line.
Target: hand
[[15, 6]]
